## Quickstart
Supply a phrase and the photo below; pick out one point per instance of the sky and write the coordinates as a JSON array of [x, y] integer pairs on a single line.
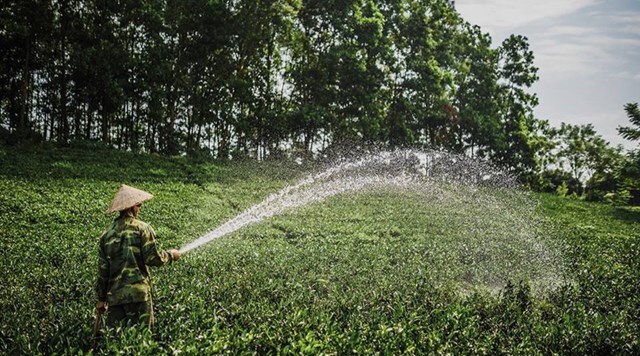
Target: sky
[[587, 52]]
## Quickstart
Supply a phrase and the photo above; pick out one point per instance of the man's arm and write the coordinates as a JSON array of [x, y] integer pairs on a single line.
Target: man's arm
[[153, 256]]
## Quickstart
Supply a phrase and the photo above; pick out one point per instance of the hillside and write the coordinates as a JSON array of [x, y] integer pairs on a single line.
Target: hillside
[[365, 273]]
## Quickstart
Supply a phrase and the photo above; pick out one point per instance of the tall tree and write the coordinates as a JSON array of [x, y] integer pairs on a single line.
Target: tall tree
[[26, 30], [312, 73], [476, 80], [517, 73], [424, 75]]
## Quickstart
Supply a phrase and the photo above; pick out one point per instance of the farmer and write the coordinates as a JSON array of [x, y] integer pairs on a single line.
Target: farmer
[[127, 247]]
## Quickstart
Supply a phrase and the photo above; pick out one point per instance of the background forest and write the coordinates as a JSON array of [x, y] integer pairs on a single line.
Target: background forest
[[267, 79]]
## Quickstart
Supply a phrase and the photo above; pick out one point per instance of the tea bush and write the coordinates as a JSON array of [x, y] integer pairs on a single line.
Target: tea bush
[[357, 274]]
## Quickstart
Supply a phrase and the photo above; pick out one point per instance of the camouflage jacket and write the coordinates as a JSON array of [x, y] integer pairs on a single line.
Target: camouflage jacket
[[127, 247]]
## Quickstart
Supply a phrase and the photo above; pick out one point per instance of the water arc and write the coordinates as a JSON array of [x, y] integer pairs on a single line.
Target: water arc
[[502, 236]]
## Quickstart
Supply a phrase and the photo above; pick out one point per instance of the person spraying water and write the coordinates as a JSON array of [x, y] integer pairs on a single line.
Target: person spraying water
[[126, 249]]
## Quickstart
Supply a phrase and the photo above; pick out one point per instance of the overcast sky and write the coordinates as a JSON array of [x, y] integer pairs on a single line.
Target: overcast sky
[[588, 52]]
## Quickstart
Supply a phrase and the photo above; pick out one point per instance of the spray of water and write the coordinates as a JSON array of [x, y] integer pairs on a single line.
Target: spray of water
[[502, 236], [312, 189]]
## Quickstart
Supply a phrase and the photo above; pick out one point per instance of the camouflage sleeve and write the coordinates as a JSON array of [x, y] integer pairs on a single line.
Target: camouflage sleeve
[[153, 256], [102, 284]]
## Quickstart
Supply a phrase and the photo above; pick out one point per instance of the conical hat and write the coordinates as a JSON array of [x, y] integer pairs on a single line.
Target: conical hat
[[127, 197]]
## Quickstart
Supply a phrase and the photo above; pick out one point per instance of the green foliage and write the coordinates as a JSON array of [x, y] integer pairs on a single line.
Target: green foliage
[[578, 157], [515, 149], [631, 132], [562, 189], [628, 175], [345, 276], [253, 79]]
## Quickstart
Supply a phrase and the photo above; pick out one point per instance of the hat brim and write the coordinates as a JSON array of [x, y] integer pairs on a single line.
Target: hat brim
[[128, 197]]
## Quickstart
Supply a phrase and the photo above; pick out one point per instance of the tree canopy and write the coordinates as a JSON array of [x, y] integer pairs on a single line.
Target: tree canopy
[[260, 79], [254, 78]]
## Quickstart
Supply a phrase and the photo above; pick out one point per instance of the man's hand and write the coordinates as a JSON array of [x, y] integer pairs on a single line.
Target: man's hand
[[102, 306], [175, 254]]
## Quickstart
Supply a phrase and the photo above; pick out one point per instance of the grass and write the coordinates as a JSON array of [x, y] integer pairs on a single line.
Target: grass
[[372, 273]]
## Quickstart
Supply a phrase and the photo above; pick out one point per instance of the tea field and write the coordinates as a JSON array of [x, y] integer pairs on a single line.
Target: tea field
[[355, 274]]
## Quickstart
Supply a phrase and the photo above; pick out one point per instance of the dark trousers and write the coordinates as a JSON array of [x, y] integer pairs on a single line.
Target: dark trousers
[[131, 313]]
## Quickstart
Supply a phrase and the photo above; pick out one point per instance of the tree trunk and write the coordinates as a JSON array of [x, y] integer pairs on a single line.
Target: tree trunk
[[63, 135], [63, 125], [87, 134], [77, 132], [223, 142], [169, 146], [14, 106], [106, 137], [22, 125], [198, 136]]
